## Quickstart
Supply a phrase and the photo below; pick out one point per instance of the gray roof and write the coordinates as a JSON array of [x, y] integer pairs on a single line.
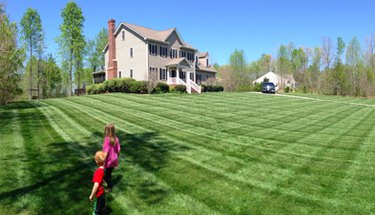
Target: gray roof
[[151, 34]]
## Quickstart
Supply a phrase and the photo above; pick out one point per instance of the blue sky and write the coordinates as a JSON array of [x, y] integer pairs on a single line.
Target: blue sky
[[219, 27]]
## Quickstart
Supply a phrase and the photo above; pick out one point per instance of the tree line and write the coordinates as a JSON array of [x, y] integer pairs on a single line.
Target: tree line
[[334, 68], [27, 71]]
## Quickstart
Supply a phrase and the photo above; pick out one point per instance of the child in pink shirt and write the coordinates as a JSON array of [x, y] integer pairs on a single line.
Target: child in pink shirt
[[111, 149]]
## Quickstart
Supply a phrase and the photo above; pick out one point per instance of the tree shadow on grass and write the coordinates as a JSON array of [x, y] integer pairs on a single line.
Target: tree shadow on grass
[[61, 176], [57, 181], [150, 152]]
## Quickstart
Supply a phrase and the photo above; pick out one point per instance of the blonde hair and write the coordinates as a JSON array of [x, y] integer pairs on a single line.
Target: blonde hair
[[99, 157], [110, 131]]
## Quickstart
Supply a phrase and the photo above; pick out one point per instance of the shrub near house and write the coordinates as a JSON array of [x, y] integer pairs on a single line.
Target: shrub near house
[[129, 85]]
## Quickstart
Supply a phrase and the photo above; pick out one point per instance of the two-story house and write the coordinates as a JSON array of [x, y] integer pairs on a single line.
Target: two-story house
[[146, 54]]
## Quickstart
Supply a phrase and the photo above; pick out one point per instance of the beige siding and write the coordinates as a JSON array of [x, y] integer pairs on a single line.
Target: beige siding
[[139, 61], [205, 76], [160, 62]]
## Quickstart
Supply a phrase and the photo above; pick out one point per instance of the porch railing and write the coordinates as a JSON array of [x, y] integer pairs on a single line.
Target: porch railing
[[189, 84], [175, 81], [195, 86]]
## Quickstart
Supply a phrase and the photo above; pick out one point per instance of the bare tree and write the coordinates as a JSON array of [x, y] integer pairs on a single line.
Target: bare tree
[[327, 52], [152, 79], [370, 51], [228, 78]]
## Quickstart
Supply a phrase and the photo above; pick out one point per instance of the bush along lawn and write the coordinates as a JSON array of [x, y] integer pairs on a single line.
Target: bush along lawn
[[129, 85], [216, 153]]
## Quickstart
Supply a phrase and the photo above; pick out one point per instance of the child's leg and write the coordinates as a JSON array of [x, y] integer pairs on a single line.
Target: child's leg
[[108, 177], [99, 205]]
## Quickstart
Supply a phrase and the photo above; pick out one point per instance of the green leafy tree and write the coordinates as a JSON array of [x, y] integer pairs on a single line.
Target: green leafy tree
[[354, 57], [10, 59], [299, 64], [32, 36], [239, 66], [284, 59], [338, 74], [94, 55], [52, 80], [72, 42], [313, 77]]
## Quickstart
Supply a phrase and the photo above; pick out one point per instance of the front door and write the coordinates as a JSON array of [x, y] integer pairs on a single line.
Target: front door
[[173, 73], [182, 75]]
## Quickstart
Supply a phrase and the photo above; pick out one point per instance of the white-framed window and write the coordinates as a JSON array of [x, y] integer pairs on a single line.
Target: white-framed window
[[131, 52], [131, 73], [153, 49], [153, 73], [119, 74], [207, 63], [173, 53], [163, 74], [190, 56], [163, 51], [123, 35], [182, 54]]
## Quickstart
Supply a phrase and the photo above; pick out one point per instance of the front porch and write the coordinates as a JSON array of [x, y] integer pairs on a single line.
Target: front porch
[[181, 72]]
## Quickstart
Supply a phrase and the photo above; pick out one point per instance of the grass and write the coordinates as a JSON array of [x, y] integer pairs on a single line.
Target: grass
[[215, 153]]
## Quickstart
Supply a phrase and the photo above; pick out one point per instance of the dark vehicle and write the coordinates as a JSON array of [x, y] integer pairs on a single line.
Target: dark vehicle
[[268, 87]]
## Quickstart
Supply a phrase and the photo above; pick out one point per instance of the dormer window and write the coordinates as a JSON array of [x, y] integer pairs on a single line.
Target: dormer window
[[190, 57], [207, 63], [182, 54], [123, 35]]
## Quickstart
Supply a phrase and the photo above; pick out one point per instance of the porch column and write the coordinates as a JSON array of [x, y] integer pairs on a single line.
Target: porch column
[[178, 72], [167, 75], [187, 76]]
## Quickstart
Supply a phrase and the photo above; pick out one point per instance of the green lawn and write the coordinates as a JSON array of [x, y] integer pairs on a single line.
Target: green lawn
[[214, 153]]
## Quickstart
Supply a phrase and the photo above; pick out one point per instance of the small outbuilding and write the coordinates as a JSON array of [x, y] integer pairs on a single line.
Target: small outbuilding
[[281, 81]]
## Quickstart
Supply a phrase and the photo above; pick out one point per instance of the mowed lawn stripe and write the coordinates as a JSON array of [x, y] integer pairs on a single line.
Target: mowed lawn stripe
[[355, 185], [12, 152], [42, 153], [326, 173], [64, 123], [243, 165], [182, 111], [213, 133], [187, 168], [69, 112], [204, 115], [107, 101], [247, 111]]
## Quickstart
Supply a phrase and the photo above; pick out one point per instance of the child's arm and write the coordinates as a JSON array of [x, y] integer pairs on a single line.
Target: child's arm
[[94, 190], [105, 147], [105, 155]]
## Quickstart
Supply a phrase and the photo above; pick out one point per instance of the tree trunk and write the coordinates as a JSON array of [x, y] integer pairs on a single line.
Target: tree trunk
[[70, 74], [38, 78], [31, 75]]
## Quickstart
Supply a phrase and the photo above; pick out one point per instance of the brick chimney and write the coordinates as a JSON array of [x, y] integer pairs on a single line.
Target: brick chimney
[[112, 62]]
